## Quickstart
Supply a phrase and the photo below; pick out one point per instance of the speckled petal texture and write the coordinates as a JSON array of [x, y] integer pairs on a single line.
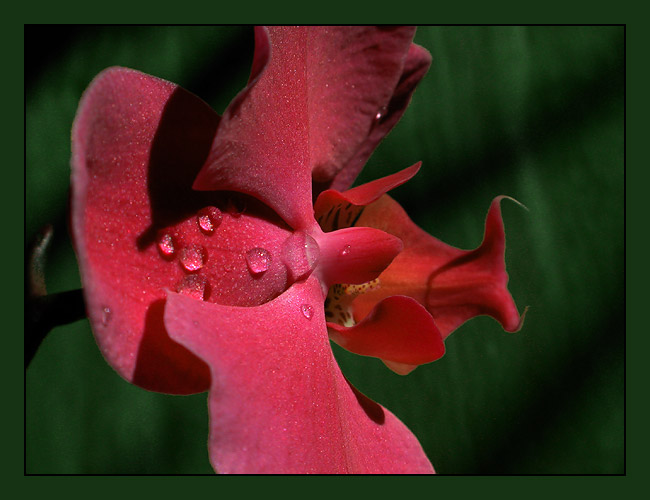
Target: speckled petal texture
[[278, 401]]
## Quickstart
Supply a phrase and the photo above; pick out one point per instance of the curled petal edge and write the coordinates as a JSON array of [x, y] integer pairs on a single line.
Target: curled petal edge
[[454, 285], [398, 330]]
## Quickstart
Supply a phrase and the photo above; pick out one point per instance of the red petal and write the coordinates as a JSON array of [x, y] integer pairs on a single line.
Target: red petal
[[454, 285], [417, 64], [335, 210], [278, 401], [131, 135], [397, 330], [307, 112], [355, 254], [373, 190]]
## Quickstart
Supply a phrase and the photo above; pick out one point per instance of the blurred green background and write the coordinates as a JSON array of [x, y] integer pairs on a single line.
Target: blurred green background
[[536, 113]]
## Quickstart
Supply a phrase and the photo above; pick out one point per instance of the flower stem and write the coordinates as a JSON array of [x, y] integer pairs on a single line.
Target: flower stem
[[42, 311]]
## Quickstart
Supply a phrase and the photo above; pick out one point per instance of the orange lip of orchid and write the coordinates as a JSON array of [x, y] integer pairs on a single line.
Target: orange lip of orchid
[[207, 264]]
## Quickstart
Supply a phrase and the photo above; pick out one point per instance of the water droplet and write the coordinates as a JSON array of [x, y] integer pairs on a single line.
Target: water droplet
[[346, 250], [193, 285], [300, 253], [209, 219], [258, 260], [107, 314], [307, 311], [192, 258], [381, 113], [166, 245]]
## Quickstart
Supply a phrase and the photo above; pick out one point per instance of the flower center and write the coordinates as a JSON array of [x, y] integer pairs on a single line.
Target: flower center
[[338, 304]]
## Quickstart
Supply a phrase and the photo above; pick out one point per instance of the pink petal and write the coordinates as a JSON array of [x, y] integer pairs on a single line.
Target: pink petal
[[373, 190], [306, 113], [355, 254], [278, 401], [397, 330], [454, 285], [417, 64], [122, 115], [335, 210]]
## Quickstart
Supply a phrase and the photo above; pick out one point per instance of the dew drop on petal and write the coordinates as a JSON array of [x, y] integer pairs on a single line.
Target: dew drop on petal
[[381, 113], [166, 245], [209, 219], [345, 250], [300, 253], [258, 260], [307, 311], [193, 286], [107, 314], [205, 224], [192, 258]]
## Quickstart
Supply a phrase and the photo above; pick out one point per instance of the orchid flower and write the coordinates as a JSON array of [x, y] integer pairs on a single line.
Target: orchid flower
[[224, 253]]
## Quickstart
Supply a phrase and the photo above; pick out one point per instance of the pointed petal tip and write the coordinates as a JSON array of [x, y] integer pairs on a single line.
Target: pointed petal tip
[[399, 368], [515, 321], [506, 197], [373, 190], [331, 200], [519, 324]]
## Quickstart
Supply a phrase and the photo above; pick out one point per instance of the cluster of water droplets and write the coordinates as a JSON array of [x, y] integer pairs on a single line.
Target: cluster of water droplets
[[191, 258], [299, 254]]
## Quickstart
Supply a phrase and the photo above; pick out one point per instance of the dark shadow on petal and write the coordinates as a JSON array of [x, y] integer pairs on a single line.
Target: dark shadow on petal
[[179, 149], [164, 365], [374, 411]]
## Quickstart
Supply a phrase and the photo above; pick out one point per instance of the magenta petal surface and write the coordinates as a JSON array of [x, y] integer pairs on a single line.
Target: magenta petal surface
[[335, 210], [278, 401], [314, 95], [417, 64], [355, 254], [398, 329], [131, 134]]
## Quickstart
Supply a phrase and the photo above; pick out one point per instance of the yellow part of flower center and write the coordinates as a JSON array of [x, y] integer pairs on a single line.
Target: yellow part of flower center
[[338, 304]]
